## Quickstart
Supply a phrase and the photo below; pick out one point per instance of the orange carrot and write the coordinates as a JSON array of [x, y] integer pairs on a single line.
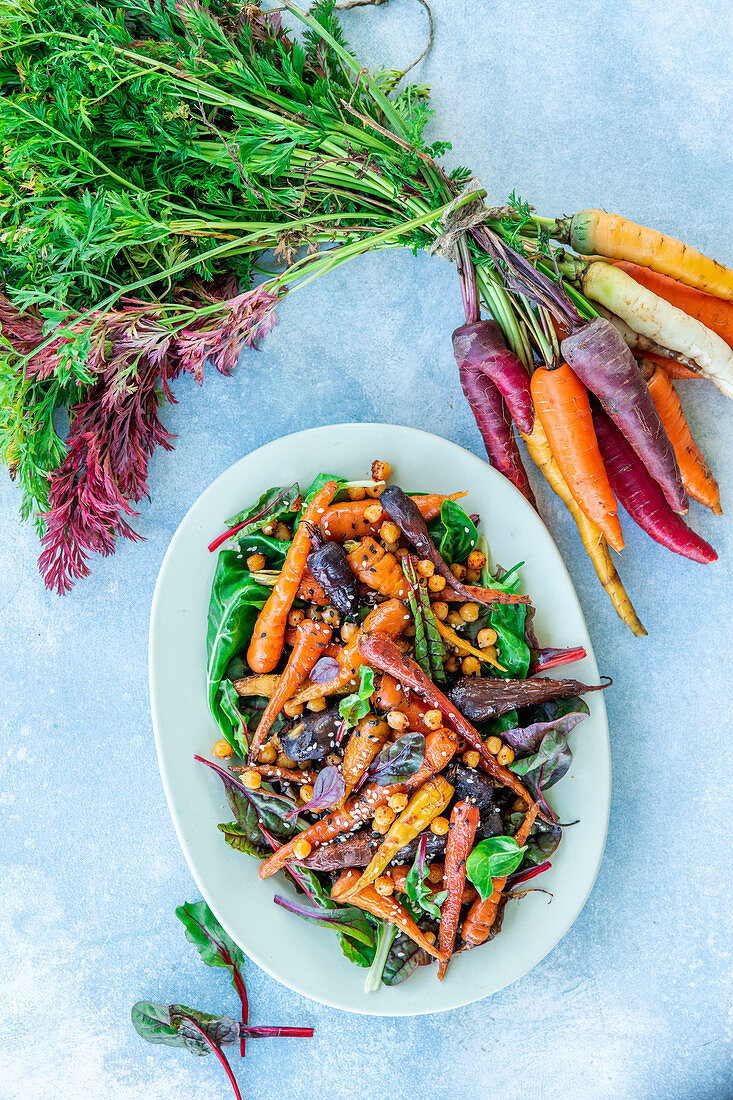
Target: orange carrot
[[672, 367], [391, 696], [346, 520], [384, 907], [562, 404], [378, 569], [363, 745], [464, 821], [696, 476], [274, 771], [715, 313], [482, 914], [390, 617], [311, 640], [311, 591], [269, 631]]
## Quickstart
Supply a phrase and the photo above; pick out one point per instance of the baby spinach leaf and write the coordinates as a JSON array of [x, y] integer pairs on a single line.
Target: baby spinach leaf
[[272, 504], [459, 534], [508, 620], [398, 760], [234, 605], [417, 888], [353, 708], [495, 857], [403, 960]]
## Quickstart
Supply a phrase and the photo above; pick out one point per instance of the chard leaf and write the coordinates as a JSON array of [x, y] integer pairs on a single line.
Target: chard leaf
[[239, 839], [272, 504], [214, 946], [328, 790], [252, 808], [527, 739], [357, 953], [324, 670], [508, 620], [494, 858], [347, 920], [542, 840], [551, 758], [170, 1026], [229, 703], [398, 760], [353, 708], [273, 549], [403, 960], [234, 605], [417, 887]]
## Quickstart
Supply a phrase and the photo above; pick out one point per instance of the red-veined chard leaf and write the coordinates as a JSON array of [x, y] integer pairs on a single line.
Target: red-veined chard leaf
[[347, 920], [494, 858], [550, 755], [328, 790], [542, 840], [170, 1025], [272, 504], [324, 670], [418, 889], [254, 808], [398, 760], [403, 960], [527, 739], [354, 707]]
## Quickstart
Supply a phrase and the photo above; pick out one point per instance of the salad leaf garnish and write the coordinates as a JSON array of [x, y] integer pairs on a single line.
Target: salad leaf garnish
[[353, 708], [345, 919], [417, 887], [397, 761], [508, 620], [495, 857], [176, 1026], [403, 960], [272, 504], [324, 670], [454, 533], [253, 809], [550, 755], [328, 790]]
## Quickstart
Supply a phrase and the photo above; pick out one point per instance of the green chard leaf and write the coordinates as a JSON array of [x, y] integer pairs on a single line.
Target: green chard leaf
[[169, 1025], [272, 505], [353, 708]]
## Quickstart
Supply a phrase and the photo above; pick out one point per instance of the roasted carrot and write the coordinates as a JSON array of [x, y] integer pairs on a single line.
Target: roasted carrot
[[562, 404], [482, 914], [310, 642], [654, 317], [481, 595], [464, 821], [363, 745], [454, 639], [594, 232], [386, 908], [592, 536], [696, 476], [346, 520], [425, 805], [378, 569], [391, 696], [440, 747], [390, 617], [381, 652], [269, 630], [311, 591], [274, 771], [714, 313]]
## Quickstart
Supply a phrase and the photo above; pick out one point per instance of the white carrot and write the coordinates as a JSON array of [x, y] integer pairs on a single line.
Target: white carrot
[[656, 319]]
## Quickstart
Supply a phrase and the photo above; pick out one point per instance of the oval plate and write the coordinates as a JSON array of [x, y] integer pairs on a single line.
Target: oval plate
[[303, 956]]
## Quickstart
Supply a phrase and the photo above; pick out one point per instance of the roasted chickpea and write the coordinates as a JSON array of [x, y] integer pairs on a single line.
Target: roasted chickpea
[[425, 567], [476, 560], [383, 818], [470, 666], [440, 608], [505, 755], [373, 513], [316, 704], [269, 528], [471, 758], [458, 571], [331, 616], [435, 872], [390, 547], [381, 470], [358, 492], [376, 490], [452, 664], [267, 754], [430, 937], [389, 531], [473, 576], [255, 562], [397, 802], [439, 826], [302, 849], [295, 617], [293, 710], [282, 531], [306, 792], [251, 779], [384, 886], [436, 583], [223, 749], [469, 612], [433, 719], [348, 631], [334, 758], [493, 744], [284, 761], [454, 619], [486, 637]]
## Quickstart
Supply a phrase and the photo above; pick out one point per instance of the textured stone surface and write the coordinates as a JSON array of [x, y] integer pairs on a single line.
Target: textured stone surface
[[617, 105]]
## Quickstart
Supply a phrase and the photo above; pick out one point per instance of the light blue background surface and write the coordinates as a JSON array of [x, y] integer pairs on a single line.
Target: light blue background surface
[[624, 106]]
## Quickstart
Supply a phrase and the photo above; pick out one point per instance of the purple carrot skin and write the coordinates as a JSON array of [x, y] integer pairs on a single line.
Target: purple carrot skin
[[481, 347], [492, 418], [642, 497], [603, 362]]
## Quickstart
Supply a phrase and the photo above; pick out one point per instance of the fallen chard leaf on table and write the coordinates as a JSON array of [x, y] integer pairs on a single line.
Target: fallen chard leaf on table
[[155, 156], [199, 1032]]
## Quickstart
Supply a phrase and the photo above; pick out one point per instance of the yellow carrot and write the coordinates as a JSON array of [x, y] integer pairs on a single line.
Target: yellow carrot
[[455, 639]]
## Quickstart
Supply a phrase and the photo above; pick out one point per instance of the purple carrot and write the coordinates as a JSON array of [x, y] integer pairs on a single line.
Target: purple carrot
[[492, 418], [642, 497], [481, 347], [603, 362]]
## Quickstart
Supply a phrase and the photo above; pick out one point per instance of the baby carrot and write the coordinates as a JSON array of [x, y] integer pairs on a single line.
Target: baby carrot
[[713, 312], [269, 631], [363, 745], [594, 232], [378, 569], [310, 642], [464, 821], [482, 914], [384, 907], [696, 476], [346, 520], [562, 404]]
